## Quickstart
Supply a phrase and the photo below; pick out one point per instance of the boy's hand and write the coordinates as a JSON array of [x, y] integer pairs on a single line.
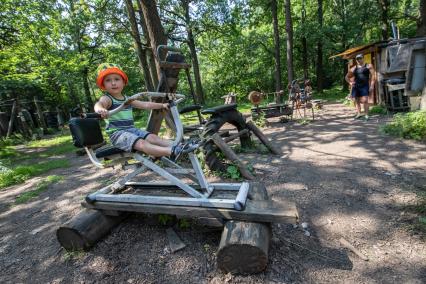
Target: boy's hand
[[166, 106], [103, 113]]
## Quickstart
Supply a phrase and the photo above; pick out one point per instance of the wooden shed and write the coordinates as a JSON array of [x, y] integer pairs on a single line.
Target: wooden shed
[[400, 71]]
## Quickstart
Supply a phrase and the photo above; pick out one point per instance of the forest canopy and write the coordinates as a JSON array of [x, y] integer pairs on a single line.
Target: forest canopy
[[50, 49]]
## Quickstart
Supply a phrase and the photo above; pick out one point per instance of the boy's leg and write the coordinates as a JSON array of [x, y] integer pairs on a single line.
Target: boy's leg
[[151, 149], [155, 140]]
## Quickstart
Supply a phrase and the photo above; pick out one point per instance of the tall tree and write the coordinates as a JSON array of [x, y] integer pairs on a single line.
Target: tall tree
[[194, 58], [421, 21], [140, 49], [319, 65], [384, 11], [149, 53], [277, 55], [304, 44], [289, 31], [157, 37], [154, 27]]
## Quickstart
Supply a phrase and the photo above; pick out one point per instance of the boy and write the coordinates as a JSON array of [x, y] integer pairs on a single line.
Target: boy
[[120, 126]]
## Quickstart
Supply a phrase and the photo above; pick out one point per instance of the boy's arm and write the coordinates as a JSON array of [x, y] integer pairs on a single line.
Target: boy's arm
[[149, 105], [102, 106]]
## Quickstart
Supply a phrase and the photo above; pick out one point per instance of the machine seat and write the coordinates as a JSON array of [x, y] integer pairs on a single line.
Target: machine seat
[[219, 109], [106, 151]]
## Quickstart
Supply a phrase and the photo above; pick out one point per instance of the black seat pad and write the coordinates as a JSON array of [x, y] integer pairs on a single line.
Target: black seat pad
[[108, 151], [219, 109], [189, 109]]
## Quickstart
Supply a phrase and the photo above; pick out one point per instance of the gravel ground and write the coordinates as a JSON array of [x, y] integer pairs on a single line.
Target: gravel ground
[[347, 179]]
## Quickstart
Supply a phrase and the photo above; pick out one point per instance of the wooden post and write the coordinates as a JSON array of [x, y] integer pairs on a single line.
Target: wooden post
[[227, 151], [244, 246], [86, 228], [12, 119], [263, 138], [40, 116]]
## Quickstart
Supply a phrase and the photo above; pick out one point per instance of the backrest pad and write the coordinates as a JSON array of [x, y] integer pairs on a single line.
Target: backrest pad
[[85, 132]]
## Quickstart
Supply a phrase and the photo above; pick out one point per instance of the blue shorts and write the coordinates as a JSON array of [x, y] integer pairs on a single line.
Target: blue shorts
[[362, 91], [126, 139]]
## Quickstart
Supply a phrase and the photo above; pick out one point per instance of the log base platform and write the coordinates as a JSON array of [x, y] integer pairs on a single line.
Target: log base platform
[[245, 239]]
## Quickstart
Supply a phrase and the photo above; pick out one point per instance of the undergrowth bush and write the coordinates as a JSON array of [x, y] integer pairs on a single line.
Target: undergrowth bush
[[411, 125]]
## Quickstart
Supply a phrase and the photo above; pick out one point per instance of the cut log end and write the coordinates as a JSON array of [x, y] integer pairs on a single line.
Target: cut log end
[[242, 259], [85, 229], [71, 239]]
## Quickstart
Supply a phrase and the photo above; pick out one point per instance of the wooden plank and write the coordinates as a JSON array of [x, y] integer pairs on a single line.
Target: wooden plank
[[255, 211], [175, 242]]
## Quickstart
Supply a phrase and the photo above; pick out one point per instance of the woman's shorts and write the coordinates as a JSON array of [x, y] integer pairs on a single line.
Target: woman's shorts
[[358, 92], [126, 139]]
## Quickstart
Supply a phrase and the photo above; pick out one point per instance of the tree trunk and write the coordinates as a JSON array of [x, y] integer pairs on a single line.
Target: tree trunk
[[154, 27], [319, 71], [191, 43], [149, 53], [140, 50], [344, 45], [304, 46], [157, 37], [421, 22], [277, 54], [289, 31], [87, 93], [384, 7]]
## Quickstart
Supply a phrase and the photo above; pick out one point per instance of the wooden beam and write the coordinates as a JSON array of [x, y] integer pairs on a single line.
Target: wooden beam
[[255, 211], [263, 138], [227, 151], [235, 136]]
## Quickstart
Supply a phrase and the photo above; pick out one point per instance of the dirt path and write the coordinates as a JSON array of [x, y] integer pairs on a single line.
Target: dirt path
[[347, 179]]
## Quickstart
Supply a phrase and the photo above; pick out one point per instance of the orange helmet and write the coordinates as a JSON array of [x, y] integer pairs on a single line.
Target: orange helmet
[[105, 69]]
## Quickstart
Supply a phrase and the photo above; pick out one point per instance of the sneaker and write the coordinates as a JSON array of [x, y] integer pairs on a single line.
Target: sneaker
[[180, 149], [366, 117], [357, 116]]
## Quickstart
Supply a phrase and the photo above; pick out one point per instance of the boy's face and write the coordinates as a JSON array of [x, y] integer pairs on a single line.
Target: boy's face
[[114, 84]]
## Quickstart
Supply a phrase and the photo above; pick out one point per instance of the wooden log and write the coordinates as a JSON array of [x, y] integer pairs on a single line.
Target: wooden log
[[235, 136], [227, 151], [263, 138], [244, 246], [86, 228]]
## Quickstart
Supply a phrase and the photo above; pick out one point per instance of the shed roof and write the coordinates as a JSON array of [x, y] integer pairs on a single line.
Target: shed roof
[[354, 50]]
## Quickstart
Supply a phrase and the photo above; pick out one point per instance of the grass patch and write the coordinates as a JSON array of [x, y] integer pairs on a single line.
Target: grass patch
[[42, 186], [23, 173], [335, 94], [411, 125], [378, 110]]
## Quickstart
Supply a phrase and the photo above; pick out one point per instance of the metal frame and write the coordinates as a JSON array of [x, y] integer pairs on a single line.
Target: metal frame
[[198, 195]]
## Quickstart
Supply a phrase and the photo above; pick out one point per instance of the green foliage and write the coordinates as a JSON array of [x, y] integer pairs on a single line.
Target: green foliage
[[411, 125], [40, 187], [184, 223], [334, 94], [165, 219], [22, 173], [378, 110], [233, 172], [260, 120]]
